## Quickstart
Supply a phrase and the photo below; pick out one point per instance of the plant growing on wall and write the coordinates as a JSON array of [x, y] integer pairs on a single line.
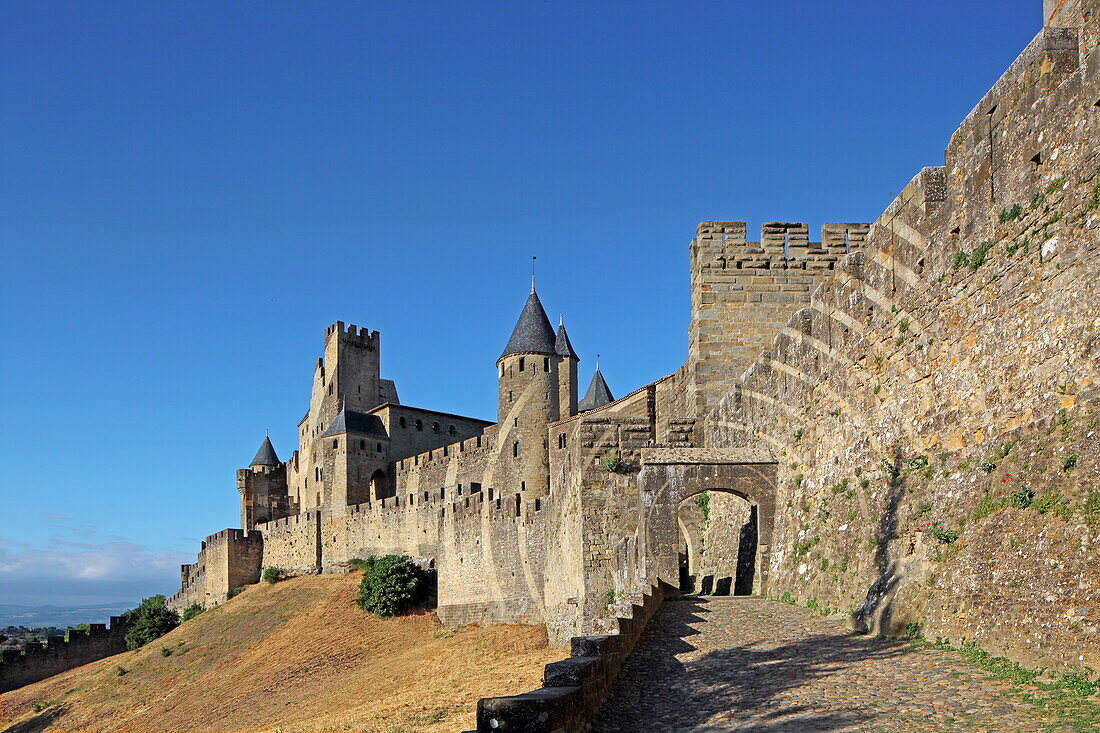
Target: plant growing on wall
[[703, 502], [611, 461], [943, 534]]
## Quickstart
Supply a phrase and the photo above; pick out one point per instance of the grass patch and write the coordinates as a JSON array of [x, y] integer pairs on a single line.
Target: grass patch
[[1011, 213], [1065, 698]]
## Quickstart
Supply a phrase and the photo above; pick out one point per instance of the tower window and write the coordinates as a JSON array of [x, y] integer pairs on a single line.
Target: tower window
[[419, 425], [362, 445], [379, 447], [510, 395], [515, 449], [546, 365], [435, 427], [401, 422], [451, 430], [521, 363], [335, 444]]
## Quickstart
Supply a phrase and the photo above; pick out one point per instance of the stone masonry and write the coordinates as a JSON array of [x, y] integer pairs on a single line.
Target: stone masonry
[[899, 421]]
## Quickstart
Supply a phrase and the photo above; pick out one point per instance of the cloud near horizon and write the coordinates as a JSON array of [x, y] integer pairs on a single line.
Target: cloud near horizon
[[66, 573]]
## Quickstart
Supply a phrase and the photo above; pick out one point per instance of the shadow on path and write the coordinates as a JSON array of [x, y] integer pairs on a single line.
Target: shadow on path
[[738, 687]]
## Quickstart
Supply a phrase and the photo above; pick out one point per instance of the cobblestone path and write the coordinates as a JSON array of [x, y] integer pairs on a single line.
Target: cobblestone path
[[749, 664]]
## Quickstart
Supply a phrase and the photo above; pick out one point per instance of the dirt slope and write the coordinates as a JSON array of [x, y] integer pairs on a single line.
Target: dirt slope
[[296, 656]]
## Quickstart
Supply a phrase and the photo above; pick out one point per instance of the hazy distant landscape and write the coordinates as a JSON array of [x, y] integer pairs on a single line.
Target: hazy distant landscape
[[60, 616]]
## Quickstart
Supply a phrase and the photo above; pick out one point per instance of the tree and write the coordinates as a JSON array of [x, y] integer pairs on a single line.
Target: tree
[[150, 620], [390, 584], [192, 611]]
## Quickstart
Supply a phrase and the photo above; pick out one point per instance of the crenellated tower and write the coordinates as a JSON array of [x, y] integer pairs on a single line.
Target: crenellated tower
[[345, 380]]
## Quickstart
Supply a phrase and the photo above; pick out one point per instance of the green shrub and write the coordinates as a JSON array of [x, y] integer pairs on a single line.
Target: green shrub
[[912, 630], [978, 258], [42, 705], [1069, 464], [165, 651], [1010, 213], [120, 670], [272, 575], [943, 534], [191, 612], [611, 461], [234, 592], [390, 584], [150, 620], [1021, 497]]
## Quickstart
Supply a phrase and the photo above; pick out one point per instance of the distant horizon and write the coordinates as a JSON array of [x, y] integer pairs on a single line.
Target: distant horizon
[[60, 616], [193, 193]]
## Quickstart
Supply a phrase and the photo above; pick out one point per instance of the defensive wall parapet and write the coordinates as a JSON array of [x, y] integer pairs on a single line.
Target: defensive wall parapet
[[932, 407], [38, 661]]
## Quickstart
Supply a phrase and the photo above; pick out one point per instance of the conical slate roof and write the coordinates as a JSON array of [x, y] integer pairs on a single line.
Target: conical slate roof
[[533, 333], [597, 395], [562, 347], [353, 421], [266, 456]]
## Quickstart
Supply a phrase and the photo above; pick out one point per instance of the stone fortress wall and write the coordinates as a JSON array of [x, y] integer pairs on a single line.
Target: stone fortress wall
[[883, 400], [38, 661]]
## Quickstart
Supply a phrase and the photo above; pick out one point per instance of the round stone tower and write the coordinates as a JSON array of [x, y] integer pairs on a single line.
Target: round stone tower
[[528, 396]]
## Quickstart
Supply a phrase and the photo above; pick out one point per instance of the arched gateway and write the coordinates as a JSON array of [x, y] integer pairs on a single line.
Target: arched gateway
[[671, 475]]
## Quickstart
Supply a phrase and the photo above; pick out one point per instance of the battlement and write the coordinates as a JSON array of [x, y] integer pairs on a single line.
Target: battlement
[[38, 661], [353, 334], [477, 445], [228, 536], [722, 245]]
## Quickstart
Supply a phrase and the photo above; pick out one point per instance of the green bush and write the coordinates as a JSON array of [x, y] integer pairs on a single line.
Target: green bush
[[191, 612], [1021, 497], [150, 620], [165, 651], [943, 534], [120, 670], [612, 461], [234, 592], [272, 575], [390, 584]]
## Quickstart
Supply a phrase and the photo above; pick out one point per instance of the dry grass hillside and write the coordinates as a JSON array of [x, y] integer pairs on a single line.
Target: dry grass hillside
[[296, 656]]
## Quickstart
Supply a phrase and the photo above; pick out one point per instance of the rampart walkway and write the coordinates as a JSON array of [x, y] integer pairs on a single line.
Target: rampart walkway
[[749, 664]]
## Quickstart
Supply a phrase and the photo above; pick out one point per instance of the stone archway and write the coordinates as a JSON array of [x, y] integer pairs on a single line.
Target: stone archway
[[671, 475], [378, 485]]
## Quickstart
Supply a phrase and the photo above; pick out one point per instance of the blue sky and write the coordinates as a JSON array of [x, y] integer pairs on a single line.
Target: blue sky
[[191, 191]]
